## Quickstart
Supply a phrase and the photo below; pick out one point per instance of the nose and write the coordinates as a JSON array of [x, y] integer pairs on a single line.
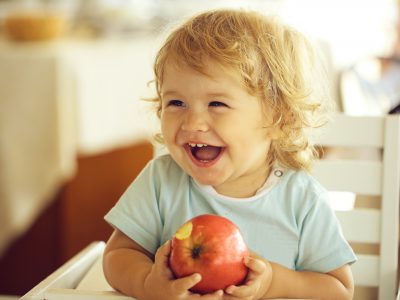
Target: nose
[[195, 121]]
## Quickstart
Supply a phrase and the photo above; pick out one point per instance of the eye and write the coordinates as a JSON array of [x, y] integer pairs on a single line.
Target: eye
[[217, 104], [175, 102]]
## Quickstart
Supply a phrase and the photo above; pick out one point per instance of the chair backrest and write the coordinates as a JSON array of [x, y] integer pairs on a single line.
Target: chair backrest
[[366, 226]]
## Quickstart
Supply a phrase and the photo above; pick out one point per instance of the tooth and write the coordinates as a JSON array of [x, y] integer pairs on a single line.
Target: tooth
[[197, 145]]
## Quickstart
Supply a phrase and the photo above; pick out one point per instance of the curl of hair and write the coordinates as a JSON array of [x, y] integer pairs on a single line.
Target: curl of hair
[[276, 63]]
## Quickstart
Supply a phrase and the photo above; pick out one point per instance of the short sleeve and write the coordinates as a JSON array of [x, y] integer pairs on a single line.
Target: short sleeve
[[136, 213], [322, 246]]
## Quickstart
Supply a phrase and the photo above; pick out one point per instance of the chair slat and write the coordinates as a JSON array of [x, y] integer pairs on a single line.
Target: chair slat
[[373, 178], [390, 209], [361, 225], [366, 270], [344, 175], [341, 132]]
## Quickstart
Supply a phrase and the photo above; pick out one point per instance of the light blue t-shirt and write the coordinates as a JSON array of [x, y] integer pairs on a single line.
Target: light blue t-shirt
[[288, 221]]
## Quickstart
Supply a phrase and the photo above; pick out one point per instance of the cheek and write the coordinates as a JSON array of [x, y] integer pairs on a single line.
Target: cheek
[[165, 121], [169, 127], [166, 132], [162, 125]]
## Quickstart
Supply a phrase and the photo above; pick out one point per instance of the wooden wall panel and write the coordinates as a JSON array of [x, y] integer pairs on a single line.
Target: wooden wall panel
[[89, 196], [73, 219]]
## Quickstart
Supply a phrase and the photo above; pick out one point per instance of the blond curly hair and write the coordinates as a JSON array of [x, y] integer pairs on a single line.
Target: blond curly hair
[[276, 63]]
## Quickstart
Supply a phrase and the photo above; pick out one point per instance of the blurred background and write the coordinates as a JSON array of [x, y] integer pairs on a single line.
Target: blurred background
[[75, 130]]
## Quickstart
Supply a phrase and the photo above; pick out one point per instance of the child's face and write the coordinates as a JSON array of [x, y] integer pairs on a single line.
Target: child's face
[[214, 129]]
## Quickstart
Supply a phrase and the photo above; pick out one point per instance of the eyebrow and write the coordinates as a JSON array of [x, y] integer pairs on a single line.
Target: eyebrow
[[220, 95], [166, 93], [209, 95]]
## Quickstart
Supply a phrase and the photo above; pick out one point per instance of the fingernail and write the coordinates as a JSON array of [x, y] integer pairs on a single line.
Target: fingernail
[[197, 276]]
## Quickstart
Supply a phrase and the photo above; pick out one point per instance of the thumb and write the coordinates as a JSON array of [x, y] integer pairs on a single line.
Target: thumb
[[162, 256]]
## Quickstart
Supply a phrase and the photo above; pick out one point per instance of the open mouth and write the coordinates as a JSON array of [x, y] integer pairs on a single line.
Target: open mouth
[[203, 153]]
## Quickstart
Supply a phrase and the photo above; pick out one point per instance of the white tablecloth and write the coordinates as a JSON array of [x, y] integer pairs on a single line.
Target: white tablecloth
[[61, 99]]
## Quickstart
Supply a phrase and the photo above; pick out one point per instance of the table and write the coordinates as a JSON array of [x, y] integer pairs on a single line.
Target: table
[[59, 100], [81, 278]]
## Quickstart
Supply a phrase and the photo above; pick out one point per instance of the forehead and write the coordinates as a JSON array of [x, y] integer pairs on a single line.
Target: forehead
[[177, 72]]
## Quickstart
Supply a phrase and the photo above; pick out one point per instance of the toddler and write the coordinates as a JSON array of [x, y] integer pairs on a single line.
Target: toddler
[[237, 95]]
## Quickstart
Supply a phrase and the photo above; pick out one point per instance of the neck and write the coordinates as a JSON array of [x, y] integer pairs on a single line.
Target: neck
[[245, 186]]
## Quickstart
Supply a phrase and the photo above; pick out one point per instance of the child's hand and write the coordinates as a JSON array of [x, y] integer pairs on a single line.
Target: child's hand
[[160, 283], [257, 283]]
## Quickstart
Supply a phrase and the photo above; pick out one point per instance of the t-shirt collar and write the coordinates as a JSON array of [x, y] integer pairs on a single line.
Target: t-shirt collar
[[277, 172]]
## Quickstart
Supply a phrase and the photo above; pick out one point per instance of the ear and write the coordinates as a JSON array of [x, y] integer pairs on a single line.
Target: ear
[[274, 132]]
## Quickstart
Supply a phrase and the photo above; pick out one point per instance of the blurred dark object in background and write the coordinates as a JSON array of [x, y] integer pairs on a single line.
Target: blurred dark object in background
[[395, 110], [371, 86]]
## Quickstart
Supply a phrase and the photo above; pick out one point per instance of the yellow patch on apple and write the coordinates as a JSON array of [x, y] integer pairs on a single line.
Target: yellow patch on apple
[[184, 231]]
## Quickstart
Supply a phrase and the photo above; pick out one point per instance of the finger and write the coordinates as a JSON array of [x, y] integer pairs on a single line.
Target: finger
[[164, 250], [185, 283], [230, 297], [161, 257], [255, 265], [240, 291], [217, 295]]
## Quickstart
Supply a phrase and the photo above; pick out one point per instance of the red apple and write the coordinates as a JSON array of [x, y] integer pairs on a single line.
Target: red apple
[[212, 246]]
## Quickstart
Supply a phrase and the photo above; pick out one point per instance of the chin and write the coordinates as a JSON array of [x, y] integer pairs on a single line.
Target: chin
[[207, 181]]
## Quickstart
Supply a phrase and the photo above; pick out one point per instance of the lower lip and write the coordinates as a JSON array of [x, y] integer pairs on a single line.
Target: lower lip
[[203, 164]]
